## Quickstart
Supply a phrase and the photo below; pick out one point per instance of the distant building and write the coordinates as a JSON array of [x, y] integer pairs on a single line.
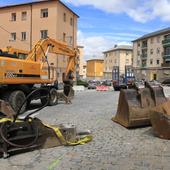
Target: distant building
[[151, 55], [22, 25], [95, 69], [84, 71], [118, 56], [80, 62]]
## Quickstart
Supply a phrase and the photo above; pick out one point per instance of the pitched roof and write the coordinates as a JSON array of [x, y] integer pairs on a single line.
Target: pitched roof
[[159, 32], [36, 2], [120, 47]]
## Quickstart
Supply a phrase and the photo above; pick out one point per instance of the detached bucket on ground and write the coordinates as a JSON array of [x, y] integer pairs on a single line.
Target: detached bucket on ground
[[160, 120], [135, 105]]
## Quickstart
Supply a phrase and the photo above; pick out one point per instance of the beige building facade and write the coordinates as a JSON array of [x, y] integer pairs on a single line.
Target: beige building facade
[[80, 62], [118, 56], [95, 69], [22, 25], [151, 56], [84, 75]]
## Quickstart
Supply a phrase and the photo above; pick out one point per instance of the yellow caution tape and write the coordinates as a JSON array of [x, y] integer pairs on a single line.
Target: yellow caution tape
[[7, 119], [80, 141], [57, 131]]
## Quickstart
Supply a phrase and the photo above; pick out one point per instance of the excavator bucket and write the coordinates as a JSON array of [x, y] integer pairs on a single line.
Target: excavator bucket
[[6, 109], [135, 105], [160, 120]]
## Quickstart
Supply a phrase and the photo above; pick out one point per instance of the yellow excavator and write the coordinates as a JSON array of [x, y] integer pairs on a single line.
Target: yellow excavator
[[21, 72], [14, 52]]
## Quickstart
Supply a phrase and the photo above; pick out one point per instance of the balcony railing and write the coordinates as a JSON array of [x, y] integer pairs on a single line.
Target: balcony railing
[[165, 64], [143, 65], [166, 57], [143, 55], [144, 46], [166, 42]]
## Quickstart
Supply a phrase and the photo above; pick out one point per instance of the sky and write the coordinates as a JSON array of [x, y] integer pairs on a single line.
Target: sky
[[105, 23]]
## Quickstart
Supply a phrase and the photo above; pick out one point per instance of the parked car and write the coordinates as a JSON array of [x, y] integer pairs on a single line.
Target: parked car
[[92, 86], [107, 83], [93, 83], [166, 82]]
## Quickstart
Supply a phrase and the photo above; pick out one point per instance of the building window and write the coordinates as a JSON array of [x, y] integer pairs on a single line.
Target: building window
[[138, 53], [151, 61], [158, 39], [24, 16], [44, 13], [64, 17], [13, 36], [13, 17], [64, 60], [44, 34], [22, 56], [64, 37], [71, 21], [127, 53], [152, 40], [158, 50], [70, 40], [23, 36], [127, 61], [115, 61], [157, 62], [151, 51], [138, 44]]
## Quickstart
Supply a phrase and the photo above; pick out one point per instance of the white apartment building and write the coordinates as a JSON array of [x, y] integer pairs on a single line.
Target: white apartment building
[[151, 55]]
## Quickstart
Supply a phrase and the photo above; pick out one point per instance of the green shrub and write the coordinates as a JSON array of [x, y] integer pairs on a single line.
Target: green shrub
[[82, 83]]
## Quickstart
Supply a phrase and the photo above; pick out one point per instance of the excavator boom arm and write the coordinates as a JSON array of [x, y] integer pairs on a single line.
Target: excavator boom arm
[[38, 53]]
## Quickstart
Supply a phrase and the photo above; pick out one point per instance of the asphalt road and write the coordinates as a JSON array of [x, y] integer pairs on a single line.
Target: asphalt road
[[113, 147]]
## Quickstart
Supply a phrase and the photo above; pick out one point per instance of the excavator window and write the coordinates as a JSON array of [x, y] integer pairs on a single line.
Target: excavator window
[[6, 54], [22, 56]]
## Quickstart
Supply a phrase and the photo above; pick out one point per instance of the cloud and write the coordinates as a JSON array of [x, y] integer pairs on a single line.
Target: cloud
[[95, 45], [140, 10], [162, 9]]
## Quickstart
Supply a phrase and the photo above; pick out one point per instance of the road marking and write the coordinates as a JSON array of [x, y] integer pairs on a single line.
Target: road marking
[[55, 162]]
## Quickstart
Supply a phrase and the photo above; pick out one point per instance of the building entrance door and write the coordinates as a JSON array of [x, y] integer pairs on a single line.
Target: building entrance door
[[155, 76]]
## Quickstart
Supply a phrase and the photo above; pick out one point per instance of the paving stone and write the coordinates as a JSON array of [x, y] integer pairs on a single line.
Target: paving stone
[[113, 147]]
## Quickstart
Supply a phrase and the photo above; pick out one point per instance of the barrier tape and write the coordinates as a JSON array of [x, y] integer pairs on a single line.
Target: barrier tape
[[81, 141], [102, 88]]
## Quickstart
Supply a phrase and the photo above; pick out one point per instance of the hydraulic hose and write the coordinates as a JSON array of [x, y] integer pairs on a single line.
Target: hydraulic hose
[[17, 145], [35, 129], [47, 96]]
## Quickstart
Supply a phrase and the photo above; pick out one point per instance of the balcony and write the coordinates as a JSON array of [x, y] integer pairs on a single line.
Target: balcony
[[143, 55], [144, 46], [143, 65], [165, 64], [166, 42], [166, 57]]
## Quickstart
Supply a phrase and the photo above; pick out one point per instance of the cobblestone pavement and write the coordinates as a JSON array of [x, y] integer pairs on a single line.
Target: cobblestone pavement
[[113, 147]]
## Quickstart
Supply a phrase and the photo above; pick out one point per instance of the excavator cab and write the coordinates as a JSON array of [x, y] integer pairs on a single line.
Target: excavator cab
[[135, 104]]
